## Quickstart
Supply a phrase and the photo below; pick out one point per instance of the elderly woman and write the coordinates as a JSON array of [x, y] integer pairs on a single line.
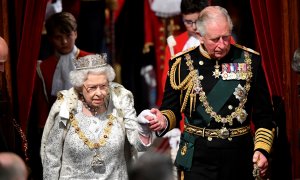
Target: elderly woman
[[88, 126]]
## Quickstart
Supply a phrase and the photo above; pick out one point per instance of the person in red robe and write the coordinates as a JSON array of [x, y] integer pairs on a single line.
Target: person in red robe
[[53, 72], [161, 18]]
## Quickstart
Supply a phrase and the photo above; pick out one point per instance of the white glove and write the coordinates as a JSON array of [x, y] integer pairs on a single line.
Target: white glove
[[174, 138], [143, 122]]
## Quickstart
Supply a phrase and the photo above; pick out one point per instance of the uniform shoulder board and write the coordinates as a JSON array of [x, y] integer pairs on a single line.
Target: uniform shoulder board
[[183, 52], [246, 49]]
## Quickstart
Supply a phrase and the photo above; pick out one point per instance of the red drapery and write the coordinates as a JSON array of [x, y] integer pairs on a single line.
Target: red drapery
[[268, 22], [268, 31], [29, 22]]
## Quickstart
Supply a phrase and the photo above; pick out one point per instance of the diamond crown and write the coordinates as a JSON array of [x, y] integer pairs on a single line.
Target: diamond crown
[[90, 61]]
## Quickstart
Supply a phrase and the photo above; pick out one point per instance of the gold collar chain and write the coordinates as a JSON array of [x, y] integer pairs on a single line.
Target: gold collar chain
[[198, 89], [103, 139]]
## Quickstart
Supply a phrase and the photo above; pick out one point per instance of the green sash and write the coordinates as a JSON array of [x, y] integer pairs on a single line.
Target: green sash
[[219, 95], [184, 157]]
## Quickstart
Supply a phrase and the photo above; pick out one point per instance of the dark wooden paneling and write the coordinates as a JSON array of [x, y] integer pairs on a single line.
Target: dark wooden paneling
[[290, 14]]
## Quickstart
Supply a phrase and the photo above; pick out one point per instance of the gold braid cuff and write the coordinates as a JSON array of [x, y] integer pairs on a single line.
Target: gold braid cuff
[[171, 117], [264, 139]]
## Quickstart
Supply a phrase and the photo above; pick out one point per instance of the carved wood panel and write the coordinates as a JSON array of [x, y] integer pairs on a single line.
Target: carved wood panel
[[290, 14]]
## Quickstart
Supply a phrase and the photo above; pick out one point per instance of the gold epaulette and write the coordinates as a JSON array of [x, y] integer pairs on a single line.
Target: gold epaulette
[[246, 49], [183, 52]]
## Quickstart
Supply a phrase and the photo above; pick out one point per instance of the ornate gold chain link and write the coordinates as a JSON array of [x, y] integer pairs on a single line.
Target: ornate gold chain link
[[103, 139], [196, 88], [238, 110]]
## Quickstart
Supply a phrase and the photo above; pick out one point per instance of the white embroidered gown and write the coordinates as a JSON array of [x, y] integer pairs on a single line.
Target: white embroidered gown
[[65, 156]]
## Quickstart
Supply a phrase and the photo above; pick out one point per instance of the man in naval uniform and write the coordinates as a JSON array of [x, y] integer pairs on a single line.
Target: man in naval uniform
[[220, 88]]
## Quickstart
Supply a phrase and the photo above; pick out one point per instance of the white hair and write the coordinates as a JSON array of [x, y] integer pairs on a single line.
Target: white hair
[[77, 77], [211, 13]]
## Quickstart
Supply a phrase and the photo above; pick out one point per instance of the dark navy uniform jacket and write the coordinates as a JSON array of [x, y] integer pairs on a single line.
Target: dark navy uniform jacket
[[258, 105]]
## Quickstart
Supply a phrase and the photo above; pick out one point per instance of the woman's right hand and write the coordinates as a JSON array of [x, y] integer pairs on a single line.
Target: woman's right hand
[[144, 119]]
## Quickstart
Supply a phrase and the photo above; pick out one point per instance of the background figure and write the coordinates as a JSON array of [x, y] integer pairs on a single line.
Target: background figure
[[12, 167], [46, 49], [161, 19], [12, 138], [296, 61], [3, 56], [53, 6], [152, 166], [3, 50]]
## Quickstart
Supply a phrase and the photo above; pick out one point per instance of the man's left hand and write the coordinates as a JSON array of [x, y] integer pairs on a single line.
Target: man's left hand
[[261, 161]]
